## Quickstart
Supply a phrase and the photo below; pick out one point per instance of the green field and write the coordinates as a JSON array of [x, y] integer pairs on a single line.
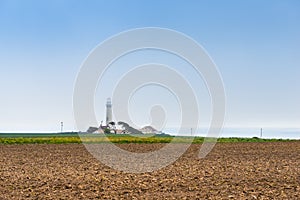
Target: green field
[[63, 138]]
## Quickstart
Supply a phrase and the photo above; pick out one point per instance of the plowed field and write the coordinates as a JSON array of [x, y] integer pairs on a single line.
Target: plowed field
[[230, 171]]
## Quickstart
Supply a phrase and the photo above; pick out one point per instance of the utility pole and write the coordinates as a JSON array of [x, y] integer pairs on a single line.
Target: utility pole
[[261, 133], [191, 131], [61, 126]]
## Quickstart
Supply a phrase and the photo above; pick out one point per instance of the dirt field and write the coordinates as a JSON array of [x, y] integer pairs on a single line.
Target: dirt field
[[231, 171]]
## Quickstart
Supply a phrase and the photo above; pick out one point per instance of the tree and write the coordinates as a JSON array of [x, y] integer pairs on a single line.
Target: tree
[[107, 131], [129, 129]]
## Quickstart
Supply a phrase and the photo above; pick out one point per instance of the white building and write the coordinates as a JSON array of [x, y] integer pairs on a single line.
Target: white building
[[108, 111]]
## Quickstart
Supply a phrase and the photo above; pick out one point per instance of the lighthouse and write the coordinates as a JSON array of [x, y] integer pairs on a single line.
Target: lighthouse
[[108, 111]]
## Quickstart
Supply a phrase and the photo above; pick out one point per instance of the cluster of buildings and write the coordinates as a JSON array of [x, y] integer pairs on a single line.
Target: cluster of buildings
[[120, 127]]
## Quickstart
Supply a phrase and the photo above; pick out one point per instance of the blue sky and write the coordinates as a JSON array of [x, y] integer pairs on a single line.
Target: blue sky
[[255, 44]]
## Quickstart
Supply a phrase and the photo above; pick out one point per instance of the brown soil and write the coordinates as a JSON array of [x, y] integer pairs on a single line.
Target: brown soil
[[230, 171]]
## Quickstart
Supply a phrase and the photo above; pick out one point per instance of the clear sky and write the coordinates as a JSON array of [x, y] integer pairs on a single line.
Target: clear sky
[[255, 44]]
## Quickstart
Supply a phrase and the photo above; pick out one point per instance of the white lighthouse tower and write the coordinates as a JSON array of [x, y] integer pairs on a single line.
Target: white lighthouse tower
[[108, 111]]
